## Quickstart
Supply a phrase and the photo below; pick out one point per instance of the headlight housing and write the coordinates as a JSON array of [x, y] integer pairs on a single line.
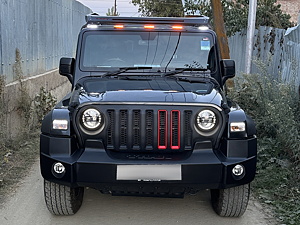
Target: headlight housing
[[91, 119], [207, 122]]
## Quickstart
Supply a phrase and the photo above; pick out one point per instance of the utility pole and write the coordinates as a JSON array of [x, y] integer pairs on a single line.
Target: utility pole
[[219, 28], [250, 34], [115, 8]]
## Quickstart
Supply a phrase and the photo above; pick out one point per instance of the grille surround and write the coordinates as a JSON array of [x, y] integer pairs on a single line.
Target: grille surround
[[129, 129]]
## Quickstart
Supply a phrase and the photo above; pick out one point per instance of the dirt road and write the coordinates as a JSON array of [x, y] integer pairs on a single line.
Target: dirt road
[[27, 207]]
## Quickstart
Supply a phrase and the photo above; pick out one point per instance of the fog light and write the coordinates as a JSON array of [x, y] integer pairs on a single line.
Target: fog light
[[238, 170], [59, 168]]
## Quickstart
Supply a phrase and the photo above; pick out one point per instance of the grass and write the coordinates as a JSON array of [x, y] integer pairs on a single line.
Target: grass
[[16, 158], [19, 153], [277, 184]]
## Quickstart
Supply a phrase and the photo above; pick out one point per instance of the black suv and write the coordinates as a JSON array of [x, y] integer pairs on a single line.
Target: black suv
[[147, 116]]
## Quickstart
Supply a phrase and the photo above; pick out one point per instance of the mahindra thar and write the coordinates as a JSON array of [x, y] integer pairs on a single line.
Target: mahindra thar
[[147, 116]]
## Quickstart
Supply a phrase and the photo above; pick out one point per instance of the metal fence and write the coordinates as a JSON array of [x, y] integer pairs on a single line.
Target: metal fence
[[278, 49], [42, 31]]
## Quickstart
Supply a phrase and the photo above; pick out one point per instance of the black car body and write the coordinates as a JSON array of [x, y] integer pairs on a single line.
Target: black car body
[[148, 116]]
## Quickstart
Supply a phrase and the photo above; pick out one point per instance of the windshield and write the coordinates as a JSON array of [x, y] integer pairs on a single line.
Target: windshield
[[159, 50]]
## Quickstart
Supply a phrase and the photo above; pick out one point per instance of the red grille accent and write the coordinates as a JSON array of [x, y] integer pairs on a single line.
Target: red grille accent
[[175, 129], [162, 129]]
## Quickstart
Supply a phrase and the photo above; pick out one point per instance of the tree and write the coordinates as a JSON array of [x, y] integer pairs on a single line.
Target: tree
[[111, 12], [160, 8], [236, 13], [270, 14], [197, 7]]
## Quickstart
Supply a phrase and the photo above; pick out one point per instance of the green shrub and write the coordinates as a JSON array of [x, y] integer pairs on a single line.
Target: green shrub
[[43, 102], [274, 105]]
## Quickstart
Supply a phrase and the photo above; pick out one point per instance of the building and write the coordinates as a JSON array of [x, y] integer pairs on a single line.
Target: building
[[291, 7]]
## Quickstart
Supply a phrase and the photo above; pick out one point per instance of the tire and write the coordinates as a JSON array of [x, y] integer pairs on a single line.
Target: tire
[[62, 200], [231, 202]]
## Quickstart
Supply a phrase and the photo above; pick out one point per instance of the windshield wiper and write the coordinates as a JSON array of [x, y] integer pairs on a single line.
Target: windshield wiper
[[205, 79], [124, 69], [194, 79], [180, 70]]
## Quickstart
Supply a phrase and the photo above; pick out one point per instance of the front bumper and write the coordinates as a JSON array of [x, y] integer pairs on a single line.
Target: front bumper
[[93, 167]]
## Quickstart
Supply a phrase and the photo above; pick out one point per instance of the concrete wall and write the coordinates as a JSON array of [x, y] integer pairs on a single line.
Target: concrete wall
[[54, 83], [34, 35]]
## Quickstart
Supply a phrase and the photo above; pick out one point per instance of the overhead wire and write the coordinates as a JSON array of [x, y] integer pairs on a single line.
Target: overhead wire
[[171, 58]]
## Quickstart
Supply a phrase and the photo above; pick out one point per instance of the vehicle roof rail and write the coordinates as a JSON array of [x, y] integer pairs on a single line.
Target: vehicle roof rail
[[191, 21]]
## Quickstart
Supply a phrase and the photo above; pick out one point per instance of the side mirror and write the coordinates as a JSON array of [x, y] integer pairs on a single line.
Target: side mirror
[[66, 68], [227, 69]]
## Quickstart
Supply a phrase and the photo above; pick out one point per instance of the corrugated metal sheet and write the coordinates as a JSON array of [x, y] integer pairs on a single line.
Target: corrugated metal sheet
[[42, 31], [278, 49]]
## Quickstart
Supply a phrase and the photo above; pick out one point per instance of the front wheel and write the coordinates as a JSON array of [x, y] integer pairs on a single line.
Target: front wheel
[[61, 199], [230, 202]]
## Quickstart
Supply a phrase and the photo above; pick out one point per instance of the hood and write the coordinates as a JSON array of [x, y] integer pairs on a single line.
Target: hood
[[214, 97]]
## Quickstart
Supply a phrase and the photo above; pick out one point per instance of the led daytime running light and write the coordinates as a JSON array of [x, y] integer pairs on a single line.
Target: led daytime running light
[[177, 27], [60, 124], [237, 127], [149, 26], [119, 26]]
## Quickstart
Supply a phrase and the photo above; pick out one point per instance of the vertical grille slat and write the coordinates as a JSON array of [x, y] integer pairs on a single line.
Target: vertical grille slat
[[136, 127], [123, 129], [187, 130], [110, 129], [149, 129], [162, 129], [175, 129]]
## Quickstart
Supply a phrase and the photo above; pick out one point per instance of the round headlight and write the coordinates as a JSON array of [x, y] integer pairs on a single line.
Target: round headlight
[[206, 120], [91, 119]]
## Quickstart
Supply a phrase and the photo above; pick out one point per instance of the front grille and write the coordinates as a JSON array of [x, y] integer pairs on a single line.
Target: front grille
[[148, 130]]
